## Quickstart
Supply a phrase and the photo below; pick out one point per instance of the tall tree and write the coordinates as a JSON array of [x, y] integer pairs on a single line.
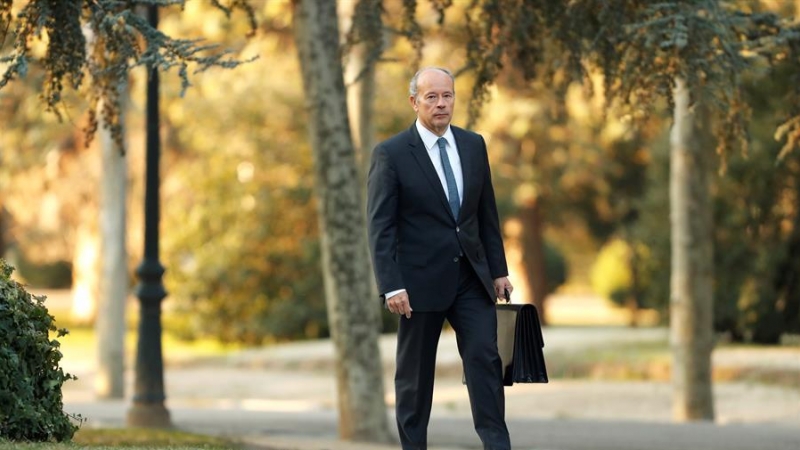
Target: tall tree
[[113, 258], [114, 284], [352, 309], [684, 51], [691, 292], [691, 53]]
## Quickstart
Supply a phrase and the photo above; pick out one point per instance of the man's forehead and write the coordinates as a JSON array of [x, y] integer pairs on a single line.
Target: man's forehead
[[436, 84]]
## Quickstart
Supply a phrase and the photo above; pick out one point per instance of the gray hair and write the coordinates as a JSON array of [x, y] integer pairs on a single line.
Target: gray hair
[[412, 87]]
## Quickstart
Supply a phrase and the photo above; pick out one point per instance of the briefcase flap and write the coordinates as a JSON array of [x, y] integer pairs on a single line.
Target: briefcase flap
[[519, 324]]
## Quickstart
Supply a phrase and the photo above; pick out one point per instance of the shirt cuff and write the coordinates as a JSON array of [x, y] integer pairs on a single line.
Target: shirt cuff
[[390, 294]]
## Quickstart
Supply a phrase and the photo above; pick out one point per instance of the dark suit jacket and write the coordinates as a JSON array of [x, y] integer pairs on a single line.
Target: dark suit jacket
[[415, 241]]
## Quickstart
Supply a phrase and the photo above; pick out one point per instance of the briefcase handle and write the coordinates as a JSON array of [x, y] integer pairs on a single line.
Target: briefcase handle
[[507, 295]]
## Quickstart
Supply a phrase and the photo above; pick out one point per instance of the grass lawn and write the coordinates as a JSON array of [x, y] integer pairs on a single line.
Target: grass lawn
[[131, 439], [621, 362], [81, 344]]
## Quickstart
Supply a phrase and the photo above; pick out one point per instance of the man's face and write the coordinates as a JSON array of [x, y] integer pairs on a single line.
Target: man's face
[[434, 101]]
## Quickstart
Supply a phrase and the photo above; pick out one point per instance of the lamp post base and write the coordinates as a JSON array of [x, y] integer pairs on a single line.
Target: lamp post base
[[148, 415]]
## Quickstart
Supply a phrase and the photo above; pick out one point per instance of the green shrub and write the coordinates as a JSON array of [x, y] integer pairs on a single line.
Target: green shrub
[[31, 407], [53, 275], [612, 274], [555, 266]]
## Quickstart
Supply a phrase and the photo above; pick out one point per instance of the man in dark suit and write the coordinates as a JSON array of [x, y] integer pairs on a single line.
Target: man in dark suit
[[438, 254]]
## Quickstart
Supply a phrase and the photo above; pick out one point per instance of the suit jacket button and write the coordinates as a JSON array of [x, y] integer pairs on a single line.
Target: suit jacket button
[[455, 259], [458, 230]]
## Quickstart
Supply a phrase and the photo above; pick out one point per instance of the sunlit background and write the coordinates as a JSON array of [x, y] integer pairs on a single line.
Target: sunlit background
[[577, 184]]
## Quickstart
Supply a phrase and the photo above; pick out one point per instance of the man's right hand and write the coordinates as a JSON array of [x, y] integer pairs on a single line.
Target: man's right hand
[[399, 304]]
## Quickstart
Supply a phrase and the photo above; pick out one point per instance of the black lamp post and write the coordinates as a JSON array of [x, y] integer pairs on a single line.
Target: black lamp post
[[148, 408]]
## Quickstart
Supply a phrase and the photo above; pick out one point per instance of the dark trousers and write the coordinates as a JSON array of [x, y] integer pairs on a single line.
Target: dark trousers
[[474, 321]]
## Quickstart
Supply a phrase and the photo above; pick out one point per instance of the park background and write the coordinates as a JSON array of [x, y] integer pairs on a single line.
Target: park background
[[582, 190]]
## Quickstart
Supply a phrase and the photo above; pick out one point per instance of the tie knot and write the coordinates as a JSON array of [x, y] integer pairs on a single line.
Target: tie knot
[[442, 143]]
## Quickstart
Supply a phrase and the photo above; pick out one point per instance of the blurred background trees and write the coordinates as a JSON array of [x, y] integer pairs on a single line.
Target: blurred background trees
[[240, 238], [248, 171], [602, 118]]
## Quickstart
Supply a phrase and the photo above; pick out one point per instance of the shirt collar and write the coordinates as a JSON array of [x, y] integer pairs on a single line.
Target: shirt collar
[[429, 138]]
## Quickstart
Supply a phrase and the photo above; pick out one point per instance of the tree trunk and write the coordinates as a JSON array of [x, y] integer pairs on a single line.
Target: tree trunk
[[2, 228], [691, 293], [787, 282], [110, 322], [363, 97], [352, 310], [363, 58], [533, 255]]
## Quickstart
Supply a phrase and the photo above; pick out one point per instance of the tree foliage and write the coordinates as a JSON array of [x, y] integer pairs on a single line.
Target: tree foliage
[[533, 52], [241, 239], [126, 39], [639, 47], [756, 216]]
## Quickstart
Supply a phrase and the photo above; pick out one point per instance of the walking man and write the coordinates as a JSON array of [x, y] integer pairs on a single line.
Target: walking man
[[438, 254]]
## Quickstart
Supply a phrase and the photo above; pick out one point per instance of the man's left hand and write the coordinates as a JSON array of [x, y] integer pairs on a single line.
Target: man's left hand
[[501, 285]]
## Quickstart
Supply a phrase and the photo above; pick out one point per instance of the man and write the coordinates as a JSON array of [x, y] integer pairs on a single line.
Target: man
[[438, 254]]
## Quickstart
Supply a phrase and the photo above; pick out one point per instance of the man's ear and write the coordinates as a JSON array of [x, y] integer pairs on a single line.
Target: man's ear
[[413, 100]]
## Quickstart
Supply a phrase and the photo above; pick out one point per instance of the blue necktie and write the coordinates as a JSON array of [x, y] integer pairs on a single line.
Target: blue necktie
[[452, 189]]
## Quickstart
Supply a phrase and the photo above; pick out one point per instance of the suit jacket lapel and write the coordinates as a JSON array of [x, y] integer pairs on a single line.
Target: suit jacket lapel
[[424, 160], [467, 165]]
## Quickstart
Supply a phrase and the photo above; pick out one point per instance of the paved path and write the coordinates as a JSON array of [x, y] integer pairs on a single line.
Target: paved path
[[283, 398], [317, 431]]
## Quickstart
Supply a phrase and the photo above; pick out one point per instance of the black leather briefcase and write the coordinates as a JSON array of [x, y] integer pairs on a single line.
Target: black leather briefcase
[[520, 344]]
